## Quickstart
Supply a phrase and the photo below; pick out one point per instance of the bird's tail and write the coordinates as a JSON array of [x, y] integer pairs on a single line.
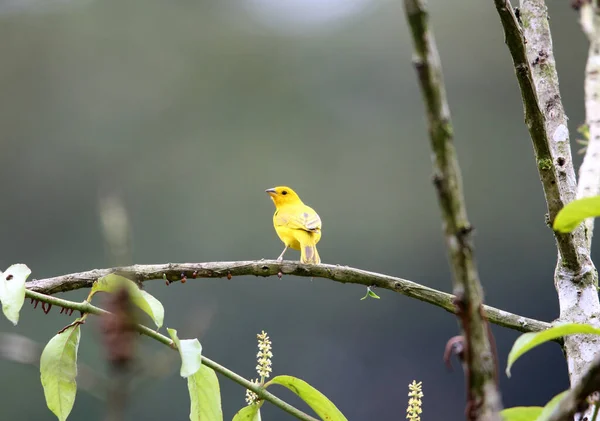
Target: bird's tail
[[308, 252]]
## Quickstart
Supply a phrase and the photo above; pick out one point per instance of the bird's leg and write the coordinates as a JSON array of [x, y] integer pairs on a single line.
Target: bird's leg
[[280, 258]]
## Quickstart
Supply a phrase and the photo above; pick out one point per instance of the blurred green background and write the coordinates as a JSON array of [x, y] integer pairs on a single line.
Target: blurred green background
[[188, 110]]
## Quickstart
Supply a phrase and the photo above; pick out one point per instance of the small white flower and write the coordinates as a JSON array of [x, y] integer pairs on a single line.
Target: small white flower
[[264, 355], [251, 397], [415, 393]]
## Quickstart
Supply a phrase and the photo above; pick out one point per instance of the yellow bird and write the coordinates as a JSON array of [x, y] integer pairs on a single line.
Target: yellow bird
[[296, 224]]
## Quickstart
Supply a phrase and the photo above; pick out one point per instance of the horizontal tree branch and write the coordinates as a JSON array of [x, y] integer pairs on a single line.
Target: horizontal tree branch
[[174, 272], [86, 307]]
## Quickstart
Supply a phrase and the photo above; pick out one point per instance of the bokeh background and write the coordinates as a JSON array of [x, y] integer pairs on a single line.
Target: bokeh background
[[186, 111]]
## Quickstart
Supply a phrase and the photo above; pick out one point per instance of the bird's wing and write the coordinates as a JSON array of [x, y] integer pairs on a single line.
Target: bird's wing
[[304, 219]]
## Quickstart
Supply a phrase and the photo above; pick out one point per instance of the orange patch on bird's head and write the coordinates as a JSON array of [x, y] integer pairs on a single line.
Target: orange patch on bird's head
[[283, 195]]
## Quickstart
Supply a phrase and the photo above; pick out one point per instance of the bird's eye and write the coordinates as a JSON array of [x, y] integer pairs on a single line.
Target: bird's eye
[[284, 192]]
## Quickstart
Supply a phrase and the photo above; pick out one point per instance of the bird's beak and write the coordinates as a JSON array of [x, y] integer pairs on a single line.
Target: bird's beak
[[271, 192]]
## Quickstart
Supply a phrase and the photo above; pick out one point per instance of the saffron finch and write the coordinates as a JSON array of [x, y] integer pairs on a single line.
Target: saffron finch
[[296, 224]]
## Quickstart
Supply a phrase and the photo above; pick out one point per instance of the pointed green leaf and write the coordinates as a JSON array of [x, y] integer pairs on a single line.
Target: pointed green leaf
[[323, 407], [150, 305], [12, 290], [190, 351], [248, 413], [527, 341], [521, 413], [575, 212], [205, 395], [372, 294], [155, 308], [58, 368], [550, 406]]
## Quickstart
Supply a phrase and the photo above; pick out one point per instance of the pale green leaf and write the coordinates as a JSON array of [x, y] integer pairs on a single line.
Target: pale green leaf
[[12, 290], [532, 413], [371, 294], [146, 302], [527, 341], [573, 213], [550, 406], [58, 368], [521, 413], [190, 351], [248, 413], [205, 395], [108, 283], [155, 307], [315, 399]]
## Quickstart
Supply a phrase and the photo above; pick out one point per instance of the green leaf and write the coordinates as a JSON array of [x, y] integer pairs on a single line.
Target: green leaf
[[532, 413], [528, 341], [203, 385], [575, 212], [315, 399], [248, 413], [154, 308], [370, 293], [550, 406], [584, 129], [12, 290], [521, 413], [58, 368], [205, 395], [190, 351], [146, 302]]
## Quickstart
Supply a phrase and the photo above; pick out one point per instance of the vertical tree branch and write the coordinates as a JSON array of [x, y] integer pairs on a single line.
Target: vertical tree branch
[[484, 400], [557, 175], [575, 277], [589, 173]]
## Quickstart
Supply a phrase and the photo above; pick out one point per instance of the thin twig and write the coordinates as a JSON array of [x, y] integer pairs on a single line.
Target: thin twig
[[575, 277], [483, 396], [343, 274], [595, 412], [86, 307], [575, 400]]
